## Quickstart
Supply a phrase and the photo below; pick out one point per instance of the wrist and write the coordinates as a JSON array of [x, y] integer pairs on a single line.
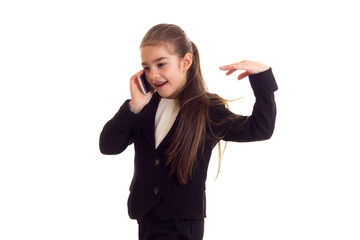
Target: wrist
[[135, 108], [262, 68]]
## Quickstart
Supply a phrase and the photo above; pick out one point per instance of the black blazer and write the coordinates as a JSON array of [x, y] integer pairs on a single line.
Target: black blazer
[[152, 188]]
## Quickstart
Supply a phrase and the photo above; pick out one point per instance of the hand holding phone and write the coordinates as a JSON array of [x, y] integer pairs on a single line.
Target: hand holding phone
[[145, 86], [139, 98]]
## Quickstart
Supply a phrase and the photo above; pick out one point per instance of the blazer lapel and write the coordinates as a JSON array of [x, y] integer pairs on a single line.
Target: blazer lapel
[[148, 120]]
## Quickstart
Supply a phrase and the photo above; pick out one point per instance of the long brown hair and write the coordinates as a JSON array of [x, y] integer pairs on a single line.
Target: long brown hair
[[194, 101]]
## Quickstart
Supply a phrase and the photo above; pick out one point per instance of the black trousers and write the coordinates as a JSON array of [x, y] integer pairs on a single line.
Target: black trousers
[[151, 228]]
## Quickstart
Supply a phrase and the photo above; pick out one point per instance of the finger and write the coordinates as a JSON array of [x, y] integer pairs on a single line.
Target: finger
[[137, 74], [243, 75], [134, 80], [228, 67], [230, 72], [134, 86], [233, 66], [238, 66]]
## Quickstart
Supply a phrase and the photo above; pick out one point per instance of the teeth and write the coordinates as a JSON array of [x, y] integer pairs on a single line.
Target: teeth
[[159, 84]]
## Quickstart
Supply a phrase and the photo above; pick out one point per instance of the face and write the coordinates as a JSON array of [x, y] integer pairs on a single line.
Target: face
[[165, 72]]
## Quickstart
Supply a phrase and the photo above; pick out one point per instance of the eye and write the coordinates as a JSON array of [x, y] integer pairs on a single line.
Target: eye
[[146, 68], [161, 64]]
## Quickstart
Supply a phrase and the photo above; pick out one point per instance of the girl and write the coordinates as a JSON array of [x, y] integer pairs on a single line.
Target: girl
[[174, 128]]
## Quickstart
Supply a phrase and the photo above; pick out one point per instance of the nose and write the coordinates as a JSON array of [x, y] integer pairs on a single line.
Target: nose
[[153, 74]]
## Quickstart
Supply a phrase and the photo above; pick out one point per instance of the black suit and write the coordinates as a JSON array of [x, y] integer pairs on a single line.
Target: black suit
[[152, 188]]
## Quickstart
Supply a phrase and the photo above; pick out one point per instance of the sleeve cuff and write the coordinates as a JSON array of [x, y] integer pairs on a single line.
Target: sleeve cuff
[[263, 83], [125, 117]]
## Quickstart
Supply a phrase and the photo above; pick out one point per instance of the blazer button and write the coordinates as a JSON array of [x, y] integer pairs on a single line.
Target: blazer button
[[157, 162], [156, 191]]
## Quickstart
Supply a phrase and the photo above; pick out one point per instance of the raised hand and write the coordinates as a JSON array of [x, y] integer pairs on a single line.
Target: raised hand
[[138, 98], [249, 67]]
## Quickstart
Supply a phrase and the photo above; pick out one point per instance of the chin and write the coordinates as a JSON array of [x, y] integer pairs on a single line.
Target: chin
[[165, 94]]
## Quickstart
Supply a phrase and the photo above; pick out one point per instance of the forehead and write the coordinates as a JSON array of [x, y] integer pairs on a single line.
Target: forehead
[[150, 53]]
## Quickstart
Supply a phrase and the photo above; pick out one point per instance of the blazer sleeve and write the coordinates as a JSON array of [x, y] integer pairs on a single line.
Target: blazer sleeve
[[260, 125], [117, 133]]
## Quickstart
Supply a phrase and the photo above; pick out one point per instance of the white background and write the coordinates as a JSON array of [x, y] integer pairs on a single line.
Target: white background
[[65, 69]]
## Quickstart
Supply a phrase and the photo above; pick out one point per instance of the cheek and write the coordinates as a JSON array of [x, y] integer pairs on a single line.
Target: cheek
[[174, 75], [171, 75], [179, 79]]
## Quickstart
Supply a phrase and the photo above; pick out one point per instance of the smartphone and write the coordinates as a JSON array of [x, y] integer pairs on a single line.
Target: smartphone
[[145, 86]]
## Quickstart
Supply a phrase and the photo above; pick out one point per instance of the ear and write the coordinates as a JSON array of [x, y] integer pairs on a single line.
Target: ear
[[187, 61]]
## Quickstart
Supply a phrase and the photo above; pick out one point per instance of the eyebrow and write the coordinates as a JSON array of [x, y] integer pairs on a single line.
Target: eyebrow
[[156, 60]]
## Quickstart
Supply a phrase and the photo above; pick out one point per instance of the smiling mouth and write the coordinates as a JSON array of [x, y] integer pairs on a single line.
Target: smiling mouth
[[160, 84]]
